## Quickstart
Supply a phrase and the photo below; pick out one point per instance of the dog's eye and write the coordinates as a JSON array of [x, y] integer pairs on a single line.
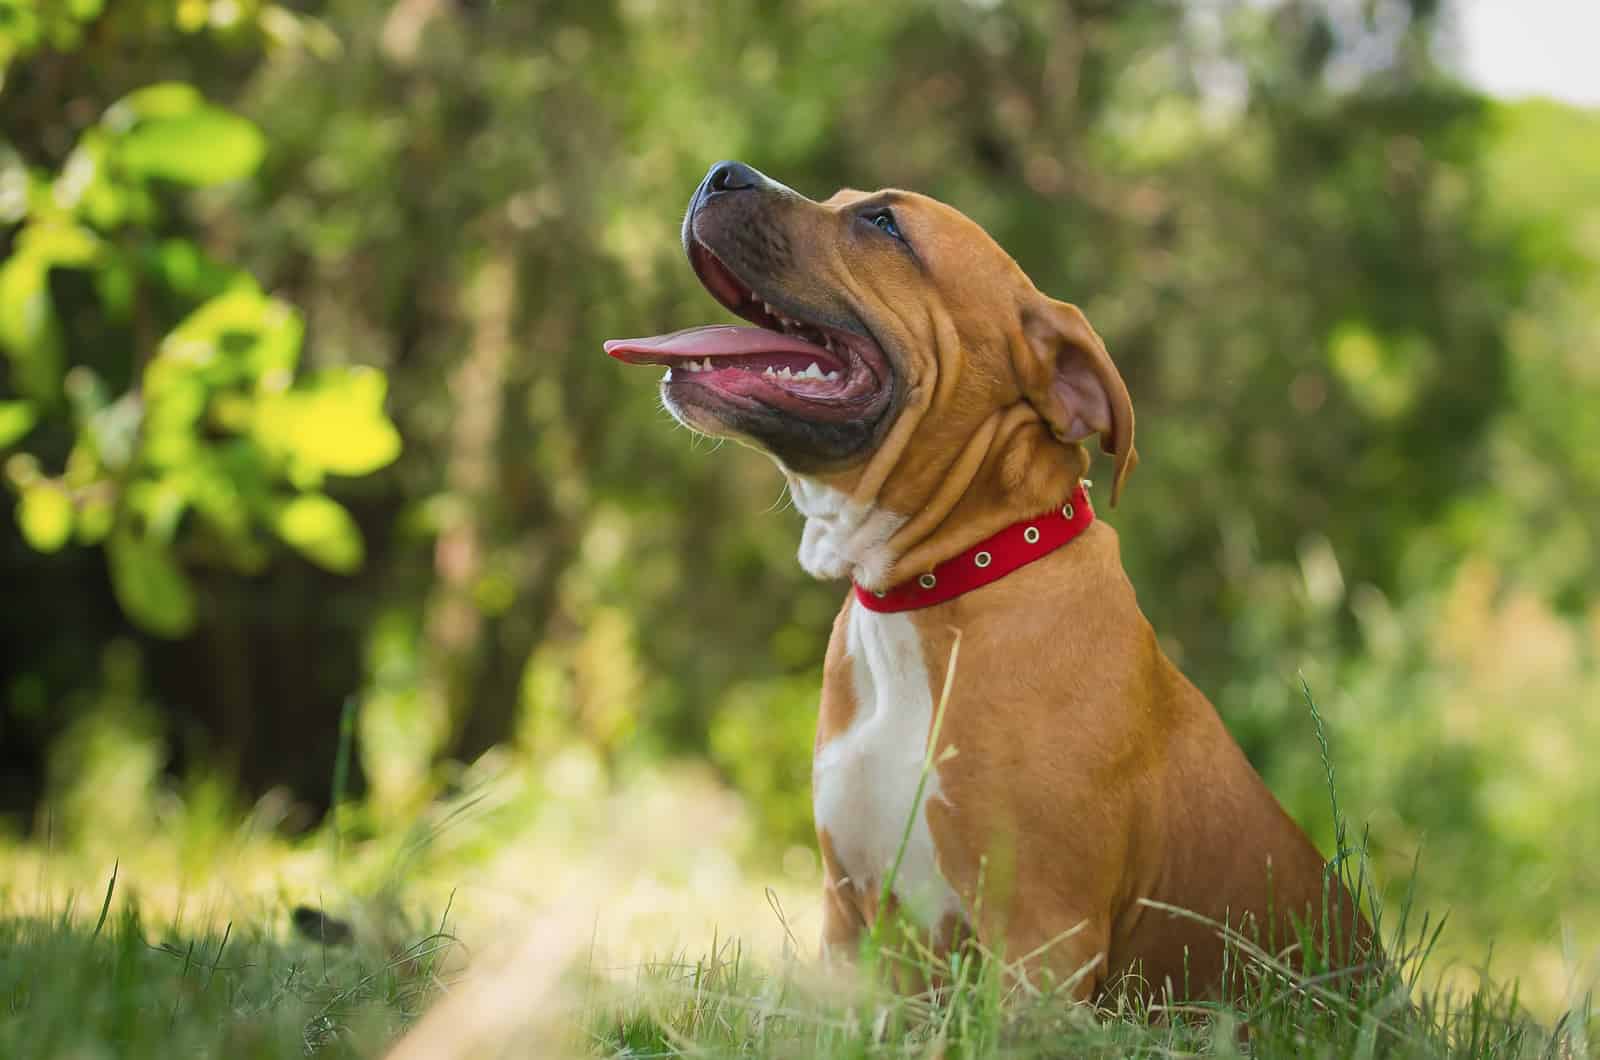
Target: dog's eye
[[884, 220]]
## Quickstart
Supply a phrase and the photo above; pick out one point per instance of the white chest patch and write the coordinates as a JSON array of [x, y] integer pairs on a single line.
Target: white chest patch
[[843, 538], [864, 780]]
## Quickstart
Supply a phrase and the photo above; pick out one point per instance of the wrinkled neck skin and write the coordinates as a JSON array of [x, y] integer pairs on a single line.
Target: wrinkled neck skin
[[967, 457]]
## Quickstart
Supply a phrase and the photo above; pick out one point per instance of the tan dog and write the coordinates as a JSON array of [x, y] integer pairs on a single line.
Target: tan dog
[[927, 404]]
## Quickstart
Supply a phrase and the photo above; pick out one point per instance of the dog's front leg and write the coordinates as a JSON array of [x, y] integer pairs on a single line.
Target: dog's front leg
[[1068, 955], [842, 921]]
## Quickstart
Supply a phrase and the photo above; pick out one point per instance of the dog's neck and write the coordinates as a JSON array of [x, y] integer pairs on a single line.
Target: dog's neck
[[1010, 469], [844, 538]]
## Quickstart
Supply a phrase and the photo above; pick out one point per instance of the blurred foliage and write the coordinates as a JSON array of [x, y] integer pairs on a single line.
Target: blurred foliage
[[206, 418], [249, 246]]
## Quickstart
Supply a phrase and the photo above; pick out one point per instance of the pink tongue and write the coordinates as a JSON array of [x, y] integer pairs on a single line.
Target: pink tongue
[[717, 340]]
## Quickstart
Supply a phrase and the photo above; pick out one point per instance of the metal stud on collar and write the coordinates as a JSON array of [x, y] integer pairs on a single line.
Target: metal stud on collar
[[1068, 510], [879, 593], [982, 559], [1031, 535], [927, 581]]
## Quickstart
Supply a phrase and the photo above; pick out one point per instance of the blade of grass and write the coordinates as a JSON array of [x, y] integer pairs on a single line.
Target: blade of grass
[[105, 906]]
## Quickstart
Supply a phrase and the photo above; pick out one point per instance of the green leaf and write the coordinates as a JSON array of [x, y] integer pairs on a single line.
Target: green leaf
[[87, 187], [240, 336], [95, 519], [166, 99], [45, 515], [322, 530], [205, 146], [337, 424], [14, 183], [16, 420], [55, 243], [25, 312], [29, 331], [171, 414], [149, 585], [159, 504], [30, 334], [189, 271]]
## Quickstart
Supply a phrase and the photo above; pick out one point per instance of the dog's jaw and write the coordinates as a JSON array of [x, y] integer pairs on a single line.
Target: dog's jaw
[[843, 538]]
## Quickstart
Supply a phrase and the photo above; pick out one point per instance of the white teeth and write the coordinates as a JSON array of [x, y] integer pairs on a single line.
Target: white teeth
[[701, 366], [812, 371]]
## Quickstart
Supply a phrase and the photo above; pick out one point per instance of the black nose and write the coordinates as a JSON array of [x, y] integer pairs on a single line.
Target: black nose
[[732, 176]]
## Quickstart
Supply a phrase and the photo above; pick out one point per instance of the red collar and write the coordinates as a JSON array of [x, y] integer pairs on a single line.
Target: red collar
[[989, 560]]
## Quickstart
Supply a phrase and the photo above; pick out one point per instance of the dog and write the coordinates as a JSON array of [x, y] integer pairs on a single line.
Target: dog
[[929, 408]]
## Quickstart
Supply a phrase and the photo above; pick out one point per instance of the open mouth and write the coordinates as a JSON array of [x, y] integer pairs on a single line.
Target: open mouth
[[784, 362]]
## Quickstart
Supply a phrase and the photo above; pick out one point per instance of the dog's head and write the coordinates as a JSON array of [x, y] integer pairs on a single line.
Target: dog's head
[[886, 324]]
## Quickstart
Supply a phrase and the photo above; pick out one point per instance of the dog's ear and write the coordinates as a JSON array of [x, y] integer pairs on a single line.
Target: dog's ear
[[1068, 376]]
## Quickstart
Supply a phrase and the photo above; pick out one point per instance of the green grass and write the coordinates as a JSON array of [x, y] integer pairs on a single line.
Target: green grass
[[720, 1007], [67, 989], [98, 981], [122, 990]]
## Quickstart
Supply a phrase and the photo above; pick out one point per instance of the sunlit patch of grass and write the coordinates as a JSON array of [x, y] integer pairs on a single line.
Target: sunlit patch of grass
[[724, 1004], [721, 1005], [563, 886], [643, 865], [126, 989]]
